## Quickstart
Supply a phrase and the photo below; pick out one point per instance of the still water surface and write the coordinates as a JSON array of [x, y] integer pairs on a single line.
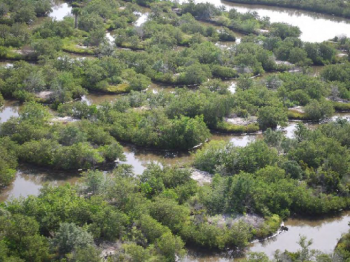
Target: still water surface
[[315, 27], [142, 18], [29, 181], [6, 64], [60, 10], [325, 233], [10, 109]]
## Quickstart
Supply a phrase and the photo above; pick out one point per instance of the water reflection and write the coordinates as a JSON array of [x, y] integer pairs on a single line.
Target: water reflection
[[291, 126], [315, 27], [202, 256], [110, 38], [29, 181], [316, 70], [6, 64], [344, 116], [237, 140], [324, 232], [232, 87], [141, 158], [142, 18], [156, 88], [290, 129], [59, 11], [10, 109], [225, 45], [97, 99]]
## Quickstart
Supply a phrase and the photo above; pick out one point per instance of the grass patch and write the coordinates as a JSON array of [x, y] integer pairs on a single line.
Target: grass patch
[[139, 46], [236, 129], [11, 54], [296, 115], [70, 46], [341, 107], [119, 89], [269, 227]]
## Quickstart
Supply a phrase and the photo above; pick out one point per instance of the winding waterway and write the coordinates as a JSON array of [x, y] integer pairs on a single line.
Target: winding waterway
[[29, 180], [315, 27], [325, 232]]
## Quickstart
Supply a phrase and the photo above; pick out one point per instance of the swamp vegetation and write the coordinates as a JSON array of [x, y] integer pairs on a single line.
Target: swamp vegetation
[[113, 214]]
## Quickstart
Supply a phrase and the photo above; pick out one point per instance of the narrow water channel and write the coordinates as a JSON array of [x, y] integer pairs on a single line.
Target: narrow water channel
[[29, 180], [325, 232]]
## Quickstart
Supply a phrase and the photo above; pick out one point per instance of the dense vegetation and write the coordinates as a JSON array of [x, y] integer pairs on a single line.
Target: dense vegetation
[[343, 247], [59, 78], [34, 138], [305, 175], [153, 217], [65, 79], [337, 7], [167, 120], [159, 120]]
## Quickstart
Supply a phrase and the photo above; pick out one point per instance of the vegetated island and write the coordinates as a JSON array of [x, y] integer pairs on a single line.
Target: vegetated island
[[118, 216]]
